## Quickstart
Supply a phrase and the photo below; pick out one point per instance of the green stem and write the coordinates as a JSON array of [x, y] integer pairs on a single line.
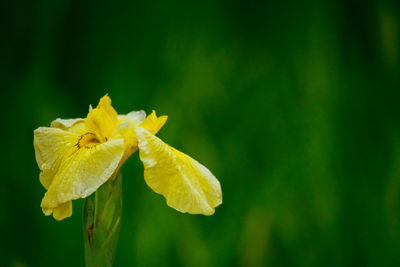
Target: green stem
[[102, 222]]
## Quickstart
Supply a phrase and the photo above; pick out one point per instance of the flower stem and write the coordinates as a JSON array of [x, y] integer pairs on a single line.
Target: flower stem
[[102, 222]]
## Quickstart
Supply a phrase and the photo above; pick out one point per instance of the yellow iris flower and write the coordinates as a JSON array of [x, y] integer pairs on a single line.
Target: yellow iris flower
[[76, 156]]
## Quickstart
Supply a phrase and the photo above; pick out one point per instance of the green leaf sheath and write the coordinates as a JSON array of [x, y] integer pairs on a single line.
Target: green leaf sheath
[[101, 223]]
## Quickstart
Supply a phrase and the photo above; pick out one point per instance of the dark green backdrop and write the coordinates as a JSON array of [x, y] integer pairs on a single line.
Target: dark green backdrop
[[292, 105]]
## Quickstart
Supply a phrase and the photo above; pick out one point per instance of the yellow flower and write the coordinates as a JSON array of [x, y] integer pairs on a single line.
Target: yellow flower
[[76, 156]]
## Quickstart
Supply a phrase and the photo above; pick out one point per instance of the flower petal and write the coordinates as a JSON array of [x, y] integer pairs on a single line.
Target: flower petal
[[186, 184], [51, 146], [126, 128], [83, 172], [105, 104], [98, 123], [153, 123], [61, 212], [65, 124], [102, 120], [47, 175], [135, 117]]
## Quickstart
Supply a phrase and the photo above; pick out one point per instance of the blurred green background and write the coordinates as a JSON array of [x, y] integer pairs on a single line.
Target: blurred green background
[[292, 105]]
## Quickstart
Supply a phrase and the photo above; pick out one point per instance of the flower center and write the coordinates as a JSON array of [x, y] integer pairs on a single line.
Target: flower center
[[88, 140]]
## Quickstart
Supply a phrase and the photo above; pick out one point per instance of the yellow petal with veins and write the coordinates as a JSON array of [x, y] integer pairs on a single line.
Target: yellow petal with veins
[[83, 172], [186, 184], [51, 146], [152, 123]]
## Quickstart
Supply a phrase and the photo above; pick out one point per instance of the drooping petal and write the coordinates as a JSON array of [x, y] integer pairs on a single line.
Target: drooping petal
[[47, 175], [153, 123], [186, 184], [61, 212], [83, 172], [52, 145]]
